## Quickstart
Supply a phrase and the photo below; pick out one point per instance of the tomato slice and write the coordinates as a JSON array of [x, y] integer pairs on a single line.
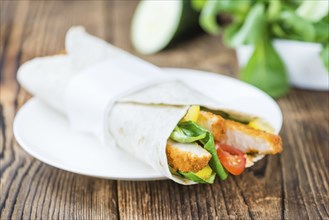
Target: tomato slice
[[232, 159]]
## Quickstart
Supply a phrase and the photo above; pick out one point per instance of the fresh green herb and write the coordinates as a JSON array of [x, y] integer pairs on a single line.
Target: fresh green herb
[[295, 27], [214, 162], [208, 18], [192, 176], [183, 135], [257, 23], [265, 69], [198, 4], [249, 31], [185, 132]]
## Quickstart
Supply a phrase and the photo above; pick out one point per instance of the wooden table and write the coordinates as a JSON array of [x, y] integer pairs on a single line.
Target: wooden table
[[293, 185]]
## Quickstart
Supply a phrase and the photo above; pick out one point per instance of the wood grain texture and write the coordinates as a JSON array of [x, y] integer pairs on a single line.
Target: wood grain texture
[[293, 185]]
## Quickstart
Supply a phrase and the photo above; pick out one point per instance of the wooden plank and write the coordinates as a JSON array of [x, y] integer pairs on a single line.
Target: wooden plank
[[293, 185], [305, 159], [31, 189]]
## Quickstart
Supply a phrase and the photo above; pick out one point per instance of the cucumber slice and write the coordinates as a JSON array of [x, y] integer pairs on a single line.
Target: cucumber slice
[[156, 24]]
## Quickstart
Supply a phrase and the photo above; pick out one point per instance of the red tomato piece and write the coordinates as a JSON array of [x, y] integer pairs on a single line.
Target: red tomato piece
[[232, 159]]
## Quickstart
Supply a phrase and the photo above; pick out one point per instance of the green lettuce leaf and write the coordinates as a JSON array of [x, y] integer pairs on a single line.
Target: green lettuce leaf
[[212, 8], [321, 31], [191, 131], [208, 17], [198, 4], [295, 27], [249, 31], [273, 10], [197, 179], [265, 69], [257, 22], [183, 135]]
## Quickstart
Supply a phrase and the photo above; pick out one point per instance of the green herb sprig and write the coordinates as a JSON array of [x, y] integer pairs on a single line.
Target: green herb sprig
[[187, 132], [257, 23]]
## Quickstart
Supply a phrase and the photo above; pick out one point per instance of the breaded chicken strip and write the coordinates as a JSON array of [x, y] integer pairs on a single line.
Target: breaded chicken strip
[[240, 136], [186, 157], [248, 139], [213, 123]]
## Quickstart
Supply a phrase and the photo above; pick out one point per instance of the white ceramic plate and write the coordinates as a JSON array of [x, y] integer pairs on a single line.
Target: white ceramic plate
[[46, 135]]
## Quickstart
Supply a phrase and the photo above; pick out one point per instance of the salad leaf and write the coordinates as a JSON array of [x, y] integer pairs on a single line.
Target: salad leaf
[[296, 27], [214, 162], [197, 179], [208, 17], [198, 4], [238, 8], [211, 9], [265, 69], [183, 135], [253, 20], [191, 130], [249, 31], [321, 31], [273, 10]]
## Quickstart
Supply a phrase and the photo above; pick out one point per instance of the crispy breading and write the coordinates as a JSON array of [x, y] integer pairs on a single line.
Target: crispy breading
[[213, 123], [240, 136], [249, 139], [179, 158]]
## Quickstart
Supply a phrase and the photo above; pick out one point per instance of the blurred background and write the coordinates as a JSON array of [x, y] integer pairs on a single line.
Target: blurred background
[[291, 37], [38, 28], [278, 43]]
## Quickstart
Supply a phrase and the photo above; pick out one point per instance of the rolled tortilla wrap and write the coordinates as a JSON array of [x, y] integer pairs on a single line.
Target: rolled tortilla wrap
[[95, 91]]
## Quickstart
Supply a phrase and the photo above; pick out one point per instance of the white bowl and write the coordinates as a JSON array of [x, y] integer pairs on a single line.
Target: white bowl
[[302, 61]]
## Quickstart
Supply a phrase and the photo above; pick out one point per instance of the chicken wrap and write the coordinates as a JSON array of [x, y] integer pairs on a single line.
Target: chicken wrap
[[131, 104]]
